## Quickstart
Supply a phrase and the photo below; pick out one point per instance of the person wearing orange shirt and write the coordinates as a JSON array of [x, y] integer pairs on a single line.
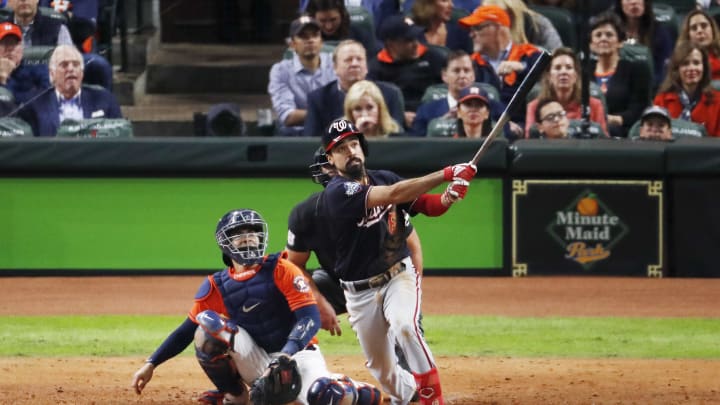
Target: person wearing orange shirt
[[258, 309]]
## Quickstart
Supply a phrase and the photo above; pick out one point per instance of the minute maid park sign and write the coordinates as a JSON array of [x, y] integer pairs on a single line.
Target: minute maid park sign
[[587, 229]]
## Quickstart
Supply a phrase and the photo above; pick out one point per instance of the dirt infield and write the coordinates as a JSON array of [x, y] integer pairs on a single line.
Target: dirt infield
[[466, 380]]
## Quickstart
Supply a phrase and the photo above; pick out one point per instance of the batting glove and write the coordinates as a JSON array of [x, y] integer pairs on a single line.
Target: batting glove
[[455, 191], [465, 171]]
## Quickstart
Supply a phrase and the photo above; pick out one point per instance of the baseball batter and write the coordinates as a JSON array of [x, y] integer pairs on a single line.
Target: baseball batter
[[257, 314], [367, 213], [308, 232]]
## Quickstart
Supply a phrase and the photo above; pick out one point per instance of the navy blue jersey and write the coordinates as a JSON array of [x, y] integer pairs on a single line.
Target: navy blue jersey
[[367, 241], [308, 231]]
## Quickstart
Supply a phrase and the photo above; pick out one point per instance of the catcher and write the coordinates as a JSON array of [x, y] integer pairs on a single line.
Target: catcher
[[253, 325]]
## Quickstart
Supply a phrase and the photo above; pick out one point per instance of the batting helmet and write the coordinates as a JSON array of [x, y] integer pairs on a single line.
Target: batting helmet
[[336, 390], [229, 228], [340, 129]]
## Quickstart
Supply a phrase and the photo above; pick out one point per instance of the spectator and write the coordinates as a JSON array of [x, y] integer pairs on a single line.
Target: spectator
[[473, 114], [526, 25], [655, 124], [22, 80], [291, 80], [440, 29], [498, 60], [641, 28], [552, 120], [70, 100], [40, 30], [335, 24], [365, 107], [326, 103], [561, 83], [458, 74], [406, 62], [686, 92], [625, 83], [702, 30]]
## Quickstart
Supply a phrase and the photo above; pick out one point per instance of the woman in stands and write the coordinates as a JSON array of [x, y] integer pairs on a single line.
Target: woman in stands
[[335, 24], [366, 108], [686, 92], [641, 28], [473, 114], [528, 26], [702, 30], [440, 28], [561, 82], [625, 83]]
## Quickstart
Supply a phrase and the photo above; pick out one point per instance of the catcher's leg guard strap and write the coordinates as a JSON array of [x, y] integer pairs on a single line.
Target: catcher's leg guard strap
[[428, 385]]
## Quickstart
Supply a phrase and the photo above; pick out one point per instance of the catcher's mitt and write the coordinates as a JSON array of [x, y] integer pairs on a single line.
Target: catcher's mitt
[[279, 384]]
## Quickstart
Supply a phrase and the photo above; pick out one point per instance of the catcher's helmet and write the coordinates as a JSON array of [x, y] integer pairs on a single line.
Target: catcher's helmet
[[228, 229], [340, 129]]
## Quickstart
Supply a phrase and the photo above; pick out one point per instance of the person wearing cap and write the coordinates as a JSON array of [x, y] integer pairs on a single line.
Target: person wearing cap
[[406, 62], [326, 103], [43, 30], [687, 91], [291, 80], [336, 26], [473, 113], [656, 124], [498, 60], [22, 80], [70, 100], [367, 212]]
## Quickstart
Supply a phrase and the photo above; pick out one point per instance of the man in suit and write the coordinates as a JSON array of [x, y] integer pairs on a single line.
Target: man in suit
[[325, 104], [39, 29], [70, 100]]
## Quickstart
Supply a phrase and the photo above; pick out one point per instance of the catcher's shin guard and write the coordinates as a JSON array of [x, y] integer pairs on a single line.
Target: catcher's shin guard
[[368, 394], [428, 385], [212, 342]]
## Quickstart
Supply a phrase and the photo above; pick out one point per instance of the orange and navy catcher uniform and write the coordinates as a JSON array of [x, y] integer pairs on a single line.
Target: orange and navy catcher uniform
[[266, 302]]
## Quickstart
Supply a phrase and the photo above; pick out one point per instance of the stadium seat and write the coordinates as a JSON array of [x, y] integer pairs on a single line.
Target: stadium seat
[[681, 7], [14, 127], [37, 55], [562, 20], [442, 127], [361, 18], [666, 16], [438, 91], [639, 53], [96, 128], [679, 128]]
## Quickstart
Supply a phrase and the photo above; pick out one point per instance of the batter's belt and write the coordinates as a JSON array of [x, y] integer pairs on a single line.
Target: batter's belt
[[374, 281]]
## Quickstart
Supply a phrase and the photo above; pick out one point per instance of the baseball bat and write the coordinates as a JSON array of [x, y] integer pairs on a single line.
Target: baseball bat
[[536, 70]]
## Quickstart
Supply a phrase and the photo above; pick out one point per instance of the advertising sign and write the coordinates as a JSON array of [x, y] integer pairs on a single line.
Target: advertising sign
[[587, 227]]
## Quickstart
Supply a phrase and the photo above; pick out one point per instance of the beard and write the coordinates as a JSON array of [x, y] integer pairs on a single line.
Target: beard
[[355, 169]]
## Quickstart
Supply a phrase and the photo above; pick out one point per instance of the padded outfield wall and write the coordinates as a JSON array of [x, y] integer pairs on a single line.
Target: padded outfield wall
[[150, 206]]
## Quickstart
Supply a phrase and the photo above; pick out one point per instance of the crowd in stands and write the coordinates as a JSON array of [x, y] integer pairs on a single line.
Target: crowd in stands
[[50, 72], [449, 68]]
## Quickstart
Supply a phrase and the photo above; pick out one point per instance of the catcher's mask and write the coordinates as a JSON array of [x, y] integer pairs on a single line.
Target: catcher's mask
[[242, 236], [340, 129]]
